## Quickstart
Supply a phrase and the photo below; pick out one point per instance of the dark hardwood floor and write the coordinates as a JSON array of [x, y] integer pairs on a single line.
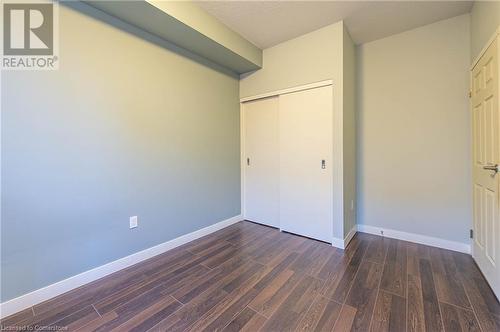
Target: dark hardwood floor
[[250, 277]]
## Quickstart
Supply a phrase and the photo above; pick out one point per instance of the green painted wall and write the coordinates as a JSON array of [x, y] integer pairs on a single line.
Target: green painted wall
[[127, 126], [414, 169]]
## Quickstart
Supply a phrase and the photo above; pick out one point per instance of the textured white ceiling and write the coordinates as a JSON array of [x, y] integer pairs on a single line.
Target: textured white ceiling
[[267, 23]]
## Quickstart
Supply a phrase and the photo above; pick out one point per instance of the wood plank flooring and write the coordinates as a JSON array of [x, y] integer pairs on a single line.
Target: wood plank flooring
[[249, 277]]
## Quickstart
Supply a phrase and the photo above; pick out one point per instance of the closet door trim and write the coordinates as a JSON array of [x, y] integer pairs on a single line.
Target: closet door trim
[[288, 90]]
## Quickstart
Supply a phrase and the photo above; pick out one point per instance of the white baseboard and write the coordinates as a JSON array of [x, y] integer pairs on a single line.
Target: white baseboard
[[342, 243], [417, 238], [350, 235], [338, 243], [28, 300]]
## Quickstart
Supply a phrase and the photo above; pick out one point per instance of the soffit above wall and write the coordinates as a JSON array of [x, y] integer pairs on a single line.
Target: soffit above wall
[[186, 25], [267, 23]]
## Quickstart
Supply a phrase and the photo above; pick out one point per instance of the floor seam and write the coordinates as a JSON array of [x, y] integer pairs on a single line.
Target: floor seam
[[208, 267], [437, 295], [378, 288], [472, 306], [307, 310], [199, 255], [340, 310], [234, 317], [329, 299], [392, 293], [407, 286], [182, 304], [456, 306], [178, 299], [257, 311], [96, 310], [355, 275]]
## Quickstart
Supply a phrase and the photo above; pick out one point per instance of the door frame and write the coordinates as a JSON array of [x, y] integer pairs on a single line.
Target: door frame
[[338, 151]]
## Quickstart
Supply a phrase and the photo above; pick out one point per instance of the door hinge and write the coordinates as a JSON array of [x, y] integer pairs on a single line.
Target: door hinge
[[470, 94], [471, 234]]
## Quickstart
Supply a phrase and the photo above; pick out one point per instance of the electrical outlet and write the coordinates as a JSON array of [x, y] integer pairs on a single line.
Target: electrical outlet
[[133, 222]]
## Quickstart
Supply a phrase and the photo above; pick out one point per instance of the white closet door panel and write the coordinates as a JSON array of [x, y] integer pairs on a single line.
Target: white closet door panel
[[261, 161], [306, 195]]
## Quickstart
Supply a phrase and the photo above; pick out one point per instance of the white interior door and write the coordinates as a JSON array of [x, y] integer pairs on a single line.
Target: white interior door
[[486, 150], [261, 161], [306, 177]]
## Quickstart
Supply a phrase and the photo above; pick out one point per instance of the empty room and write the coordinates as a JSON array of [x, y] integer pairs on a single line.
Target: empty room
[[250, 166]]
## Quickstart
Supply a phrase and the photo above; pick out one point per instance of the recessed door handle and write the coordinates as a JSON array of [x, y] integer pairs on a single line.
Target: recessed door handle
[[323, 164], [493, 168]]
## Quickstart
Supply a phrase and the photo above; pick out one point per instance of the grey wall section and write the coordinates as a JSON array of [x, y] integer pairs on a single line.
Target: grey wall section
[[485, 19], [349, 131], [124, 127], [414, 131]]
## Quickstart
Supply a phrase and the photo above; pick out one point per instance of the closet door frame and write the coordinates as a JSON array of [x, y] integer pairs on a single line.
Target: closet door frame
[[338, 153]]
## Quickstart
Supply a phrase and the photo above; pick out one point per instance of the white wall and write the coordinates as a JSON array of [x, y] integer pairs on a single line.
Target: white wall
[[414, 138], [313, 57], [485, 18]]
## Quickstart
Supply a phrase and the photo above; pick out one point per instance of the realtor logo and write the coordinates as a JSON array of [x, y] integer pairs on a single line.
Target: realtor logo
[[29, 36], [28, 29]]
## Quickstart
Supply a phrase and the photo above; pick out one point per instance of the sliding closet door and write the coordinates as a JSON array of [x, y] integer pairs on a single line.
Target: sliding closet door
[[261, 161], [306, 177]]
